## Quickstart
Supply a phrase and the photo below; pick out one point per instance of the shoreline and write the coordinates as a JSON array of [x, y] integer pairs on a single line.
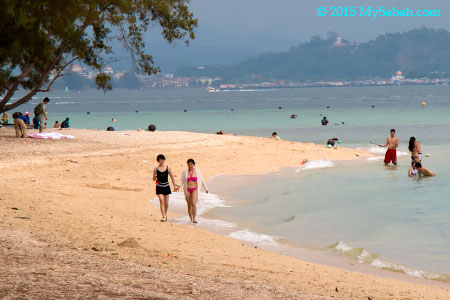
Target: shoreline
[[98, 183], [320, 255]]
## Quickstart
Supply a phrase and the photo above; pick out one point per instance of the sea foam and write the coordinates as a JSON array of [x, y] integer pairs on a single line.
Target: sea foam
[[364, 256], [382, 151], [254, 238], [315, 164], [205, 202]]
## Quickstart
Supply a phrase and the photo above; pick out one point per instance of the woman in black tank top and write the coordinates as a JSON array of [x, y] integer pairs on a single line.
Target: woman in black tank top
[[161, 177]]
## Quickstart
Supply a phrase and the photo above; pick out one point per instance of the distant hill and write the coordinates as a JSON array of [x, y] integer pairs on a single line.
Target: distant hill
[[418, 53]]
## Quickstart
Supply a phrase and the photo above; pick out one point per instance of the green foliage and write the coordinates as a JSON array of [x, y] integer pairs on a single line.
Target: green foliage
[[419, 52], [103, 81], [40, 39]]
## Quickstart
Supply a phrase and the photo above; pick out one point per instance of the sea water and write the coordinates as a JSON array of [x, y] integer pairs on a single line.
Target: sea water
[[374, 214]]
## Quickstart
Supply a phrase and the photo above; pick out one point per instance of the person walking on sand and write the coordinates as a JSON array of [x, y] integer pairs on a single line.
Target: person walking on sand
[[161, 176], [391, 153], [40, 112], [416, 150], [191, 181]]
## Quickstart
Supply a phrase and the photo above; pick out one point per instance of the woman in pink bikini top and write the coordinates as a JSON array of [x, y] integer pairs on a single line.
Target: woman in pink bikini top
[[191, 181]]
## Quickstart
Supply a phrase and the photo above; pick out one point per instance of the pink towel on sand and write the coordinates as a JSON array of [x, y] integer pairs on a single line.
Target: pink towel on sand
[[50, 136]]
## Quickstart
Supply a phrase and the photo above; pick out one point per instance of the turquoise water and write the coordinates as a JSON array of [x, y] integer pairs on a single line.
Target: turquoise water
[[376, 215]]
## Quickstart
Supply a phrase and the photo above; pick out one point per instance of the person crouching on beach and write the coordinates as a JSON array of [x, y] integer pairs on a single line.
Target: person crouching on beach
[[421, 171], [19, 125], [391, 153], [191, 181], [161, 177]]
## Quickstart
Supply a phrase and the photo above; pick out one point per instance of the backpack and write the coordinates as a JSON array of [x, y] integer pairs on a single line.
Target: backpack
[[38, 109]]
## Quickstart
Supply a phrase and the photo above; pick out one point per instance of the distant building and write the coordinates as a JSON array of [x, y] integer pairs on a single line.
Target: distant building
[[398, 76], [331, 35]]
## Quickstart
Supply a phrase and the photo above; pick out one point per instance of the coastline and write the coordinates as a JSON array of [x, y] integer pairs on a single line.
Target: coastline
[[93, 192], [339, 254]]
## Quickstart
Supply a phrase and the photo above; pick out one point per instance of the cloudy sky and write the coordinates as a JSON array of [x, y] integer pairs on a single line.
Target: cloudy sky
[[231, 30]]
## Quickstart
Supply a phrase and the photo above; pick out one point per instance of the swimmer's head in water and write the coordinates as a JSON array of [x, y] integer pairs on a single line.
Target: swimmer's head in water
[[160, 158]]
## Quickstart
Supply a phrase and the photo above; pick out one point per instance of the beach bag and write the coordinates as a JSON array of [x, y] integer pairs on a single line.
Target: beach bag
[[38, 109]]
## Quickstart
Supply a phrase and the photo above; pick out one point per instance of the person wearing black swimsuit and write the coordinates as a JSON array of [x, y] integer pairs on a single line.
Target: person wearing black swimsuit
[[161, 177]]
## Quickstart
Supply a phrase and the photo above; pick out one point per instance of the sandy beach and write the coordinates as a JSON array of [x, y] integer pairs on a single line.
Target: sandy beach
[[76, 223]]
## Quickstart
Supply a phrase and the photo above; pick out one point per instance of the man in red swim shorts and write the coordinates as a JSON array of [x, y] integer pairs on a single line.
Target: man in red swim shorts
[[391, 153]]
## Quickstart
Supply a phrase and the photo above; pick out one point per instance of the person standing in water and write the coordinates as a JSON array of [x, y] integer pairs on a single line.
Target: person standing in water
[[191, 181], [391, 153], [416, 150], [161, 176]]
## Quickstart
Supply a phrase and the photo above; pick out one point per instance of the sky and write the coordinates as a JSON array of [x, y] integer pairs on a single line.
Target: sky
[[230, 31]]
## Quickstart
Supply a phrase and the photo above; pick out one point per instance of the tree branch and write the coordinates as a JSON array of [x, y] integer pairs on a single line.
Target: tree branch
[[43, 78], [58, 75], [15, 84]]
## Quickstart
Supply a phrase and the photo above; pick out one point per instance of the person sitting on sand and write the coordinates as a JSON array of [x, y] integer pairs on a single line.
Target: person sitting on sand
[[56, 125], [324, 121], [391, 153], [275, 136], [65, 123], [161, 176], [5, 118], [423, 171], [191, 181], [26, 118], [416, 150]]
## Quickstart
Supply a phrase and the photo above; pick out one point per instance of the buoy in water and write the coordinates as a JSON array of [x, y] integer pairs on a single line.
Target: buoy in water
[[427, 155], [424, 103], [339, 142]]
